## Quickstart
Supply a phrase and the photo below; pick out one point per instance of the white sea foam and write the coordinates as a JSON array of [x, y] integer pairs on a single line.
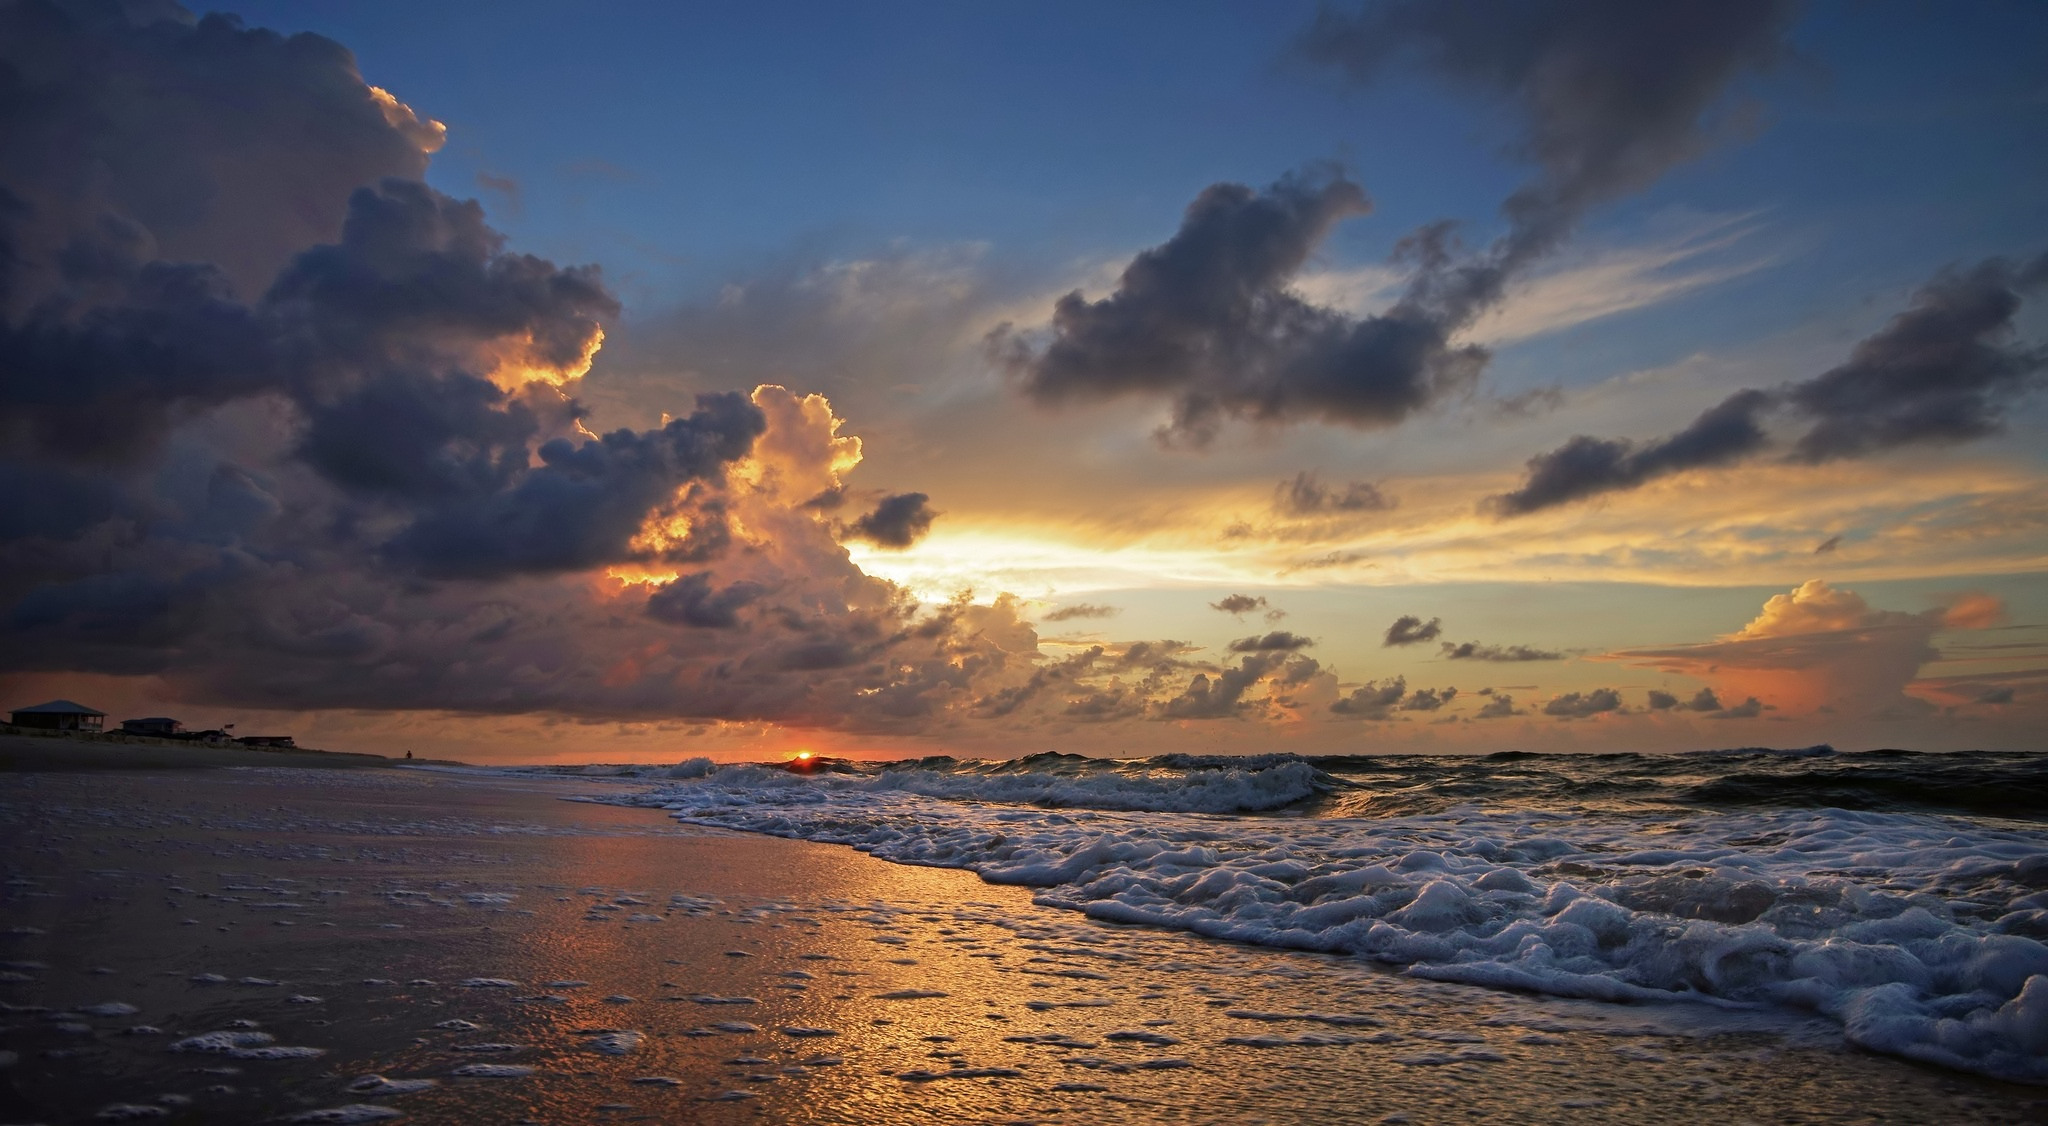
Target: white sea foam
[[1920, 935]]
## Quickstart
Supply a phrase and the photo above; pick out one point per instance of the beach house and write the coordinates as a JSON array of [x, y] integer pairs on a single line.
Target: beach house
[[58, 715]]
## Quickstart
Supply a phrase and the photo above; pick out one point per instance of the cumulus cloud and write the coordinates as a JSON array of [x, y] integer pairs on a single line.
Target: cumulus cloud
[[1608, 97], [1305, 494], [1817, 647], [1238, 605], [1411, 630], [134, 136], [1373, 700], [1277, 640], [1222, 696], [897, 522], [1702, 701], [1945, 370], [337, 459], [1499, 705], [1580, 705], [1081, 610], [1429, 699], [1477, 651], [1211, 320]]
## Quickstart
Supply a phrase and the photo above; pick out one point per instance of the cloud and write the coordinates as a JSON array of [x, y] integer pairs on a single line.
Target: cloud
[[898, 521], [1278, 639], [1608, 96], [1411, 630], [1429, 699], [1747, 709], [1238, 605], [1580, 705], [1702, 701], [181, 140], [1828, 545], [1817, 647], [337, 460], [1476, 651], [1306, 495], [1585, 467], [1373, 700], [1945, 370], [1210, 319], [1081, 610], [1498, 706], [1221, 697], [691, 600]]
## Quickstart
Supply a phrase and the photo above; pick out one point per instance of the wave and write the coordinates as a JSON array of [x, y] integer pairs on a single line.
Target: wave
[[1920, 934]]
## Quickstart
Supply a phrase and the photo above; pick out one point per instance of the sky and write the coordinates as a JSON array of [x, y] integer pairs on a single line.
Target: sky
[[910, 379]]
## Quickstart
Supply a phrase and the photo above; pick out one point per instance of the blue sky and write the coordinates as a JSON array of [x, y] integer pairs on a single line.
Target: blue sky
[[848, 203], [684, 145]]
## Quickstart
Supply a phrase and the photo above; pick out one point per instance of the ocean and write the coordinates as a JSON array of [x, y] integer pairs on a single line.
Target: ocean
[[1902, 896]]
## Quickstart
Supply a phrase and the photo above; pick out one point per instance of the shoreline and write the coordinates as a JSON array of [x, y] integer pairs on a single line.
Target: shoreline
[[355, 914], [70, 752]]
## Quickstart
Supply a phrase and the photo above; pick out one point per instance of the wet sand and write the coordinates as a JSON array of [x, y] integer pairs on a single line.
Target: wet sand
[[515, 957]]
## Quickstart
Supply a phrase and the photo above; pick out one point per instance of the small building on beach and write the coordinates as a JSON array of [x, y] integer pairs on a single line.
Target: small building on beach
[[160, 726], [59, 715], [274, 742]]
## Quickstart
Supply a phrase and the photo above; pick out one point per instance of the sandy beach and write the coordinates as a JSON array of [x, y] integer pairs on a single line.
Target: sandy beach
[[282, 944]]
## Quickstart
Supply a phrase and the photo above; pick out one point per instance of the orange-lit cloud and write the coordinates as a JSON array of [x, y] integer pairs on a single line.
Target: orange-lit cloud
[[1818, 647]]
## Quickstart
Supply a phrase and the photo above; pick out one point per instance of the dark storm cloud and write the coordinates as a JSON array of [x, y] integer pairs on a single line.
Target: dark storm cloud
[[1609, 94], [1210, 319], [287, 428], [584, 503], [1238, 605], [1580, 705], [1081, 610], [202, 140], [1945, 370], [1306, 495], [1411, 630], [1475, 651], [415, 269], [1277, 640], [1586, 466], [691, 600], [897, 522]]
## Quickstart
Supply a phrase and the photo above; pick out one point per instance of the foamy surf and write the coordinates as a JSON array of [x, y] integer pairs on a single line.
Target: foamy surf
[[1919, 933]]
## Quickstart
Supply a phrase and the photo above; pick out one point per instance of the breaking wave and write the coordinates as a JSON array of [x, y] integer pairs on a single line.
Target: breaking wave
[[1904, 896]]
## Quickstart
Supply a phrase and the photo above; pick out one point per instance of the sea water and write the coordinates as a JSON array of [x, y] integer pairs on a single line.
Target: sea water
[[1902, 895]]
